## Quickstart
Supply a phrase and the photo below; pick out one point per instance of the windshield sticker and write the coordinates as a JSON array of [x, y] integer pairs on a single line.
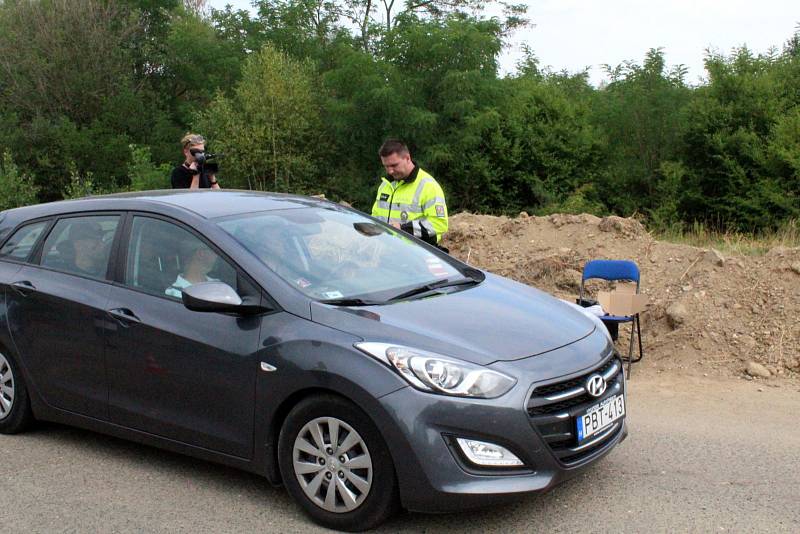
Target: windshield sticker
[[332, 294], [435, 267], [302, 282]]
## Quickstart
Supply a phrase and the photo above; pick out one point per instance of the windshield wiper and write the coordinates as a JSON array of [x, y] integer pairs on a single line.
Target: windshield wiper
[[351, 302], [434, 285]]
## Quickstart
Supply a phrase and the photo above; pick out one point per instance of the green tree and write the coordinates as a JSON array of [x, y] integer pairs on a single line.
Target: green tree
[[62, 104], [269, 127], [18, 188], [197, 63], [641, 116], [740, 144]]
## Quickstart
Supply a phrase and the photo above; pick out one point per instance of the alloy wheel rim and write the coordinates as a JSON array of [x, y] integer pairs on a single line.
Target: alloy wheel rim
[[332, 464], [6, 388]]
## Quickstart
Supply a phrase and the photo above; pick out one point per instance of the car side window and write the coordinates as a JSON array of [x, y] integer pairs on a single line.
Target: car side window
[[20, 245], [163, 258], [81, 245]]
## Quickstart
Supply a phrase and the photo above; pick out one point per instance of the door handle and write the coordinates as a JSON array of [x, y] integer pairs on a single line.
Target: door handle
[[124, 316], [23, 287]]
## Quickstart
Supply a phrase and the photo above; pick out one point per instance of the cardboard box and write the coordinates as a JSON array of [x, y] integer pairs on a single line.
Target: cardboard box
[[622, 301]]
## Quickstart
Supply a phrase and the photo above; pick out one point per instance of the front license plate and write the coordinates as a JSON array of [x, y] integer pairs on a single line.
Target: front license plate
[[600, 416]]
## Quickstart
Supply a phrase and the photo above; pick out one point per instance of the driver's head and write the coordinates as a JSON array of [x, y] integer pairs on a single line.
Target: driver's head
[[197, 256]]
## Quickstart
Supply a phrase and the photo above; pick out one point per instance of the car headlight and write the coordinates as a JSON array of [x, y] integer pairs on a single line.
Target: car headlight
[[432, 372]]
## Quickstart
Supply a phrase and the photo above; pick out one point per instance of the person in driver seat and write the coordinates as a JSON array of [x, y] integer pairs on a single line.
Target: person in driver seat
[[197, 261]]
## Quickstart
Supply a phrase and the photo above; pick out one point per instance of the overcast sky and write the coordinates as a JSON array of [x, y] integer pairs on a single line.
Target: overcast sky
[[574, 34]]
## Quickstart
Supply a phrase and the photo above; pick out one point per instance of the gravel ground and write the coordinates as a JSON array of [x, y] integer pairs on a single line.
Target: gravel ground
[[703, 455]]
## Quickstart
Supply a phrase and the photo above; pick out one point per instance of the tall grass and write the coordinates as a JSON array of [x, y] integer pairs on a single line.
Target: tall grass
[[746, 244]]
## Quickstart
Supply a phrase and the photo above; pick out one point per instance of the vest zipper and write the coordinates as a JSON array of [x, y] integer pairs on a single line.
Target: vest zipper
[[391, 200]]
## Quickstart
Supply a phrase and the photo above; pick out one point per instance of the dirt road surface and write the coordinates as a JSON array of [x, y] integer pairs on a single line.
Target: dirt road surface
[[703, 455]]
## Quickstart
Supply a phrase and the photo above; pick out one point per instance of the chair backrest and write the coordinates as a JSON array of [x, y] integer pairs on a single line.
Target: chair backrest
[[611, 270]]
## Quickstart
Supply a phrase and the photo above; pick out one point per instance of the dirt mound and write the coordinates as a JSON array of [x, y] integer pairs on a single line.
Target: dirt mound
[[708, 313]]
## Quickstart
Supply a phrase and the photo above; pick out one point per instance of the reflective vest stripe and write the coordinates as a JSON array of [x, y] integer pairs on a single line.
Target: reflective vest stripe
[[410, 208], [432, 202], [420, 187]]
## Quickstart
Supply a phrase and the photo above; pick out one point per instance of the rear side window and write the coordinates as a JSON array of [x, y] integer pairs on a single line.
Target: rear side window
[[163, 258], [20, 245], [81, 245]]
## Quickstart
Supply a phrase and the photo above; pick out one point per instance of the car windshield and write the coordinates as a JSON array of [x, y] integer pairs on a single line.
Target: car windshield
[[335, 254]]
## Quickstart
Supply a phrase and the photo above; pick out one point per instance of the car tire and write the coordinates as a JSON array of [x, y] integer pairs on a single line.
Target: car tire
[[363, 486], [15, 406]]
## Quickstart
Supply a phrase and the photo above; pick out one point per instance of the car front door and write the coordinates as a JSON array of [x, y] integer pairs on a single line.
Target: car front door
[[56, 313], [175, 373]]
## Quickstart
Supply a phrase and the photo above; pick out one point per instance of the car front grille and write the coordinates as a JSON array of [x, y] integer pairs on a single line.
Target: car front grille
[[553, 409]]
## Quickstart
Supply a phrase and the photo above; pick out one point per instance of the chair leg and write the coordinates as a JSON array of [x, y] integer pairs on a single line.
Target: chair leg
[[639, 335], [630, 348]]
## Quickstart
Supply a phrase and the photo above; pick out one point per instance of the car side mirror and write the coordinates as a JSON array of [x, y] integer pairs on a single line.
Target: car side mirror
[[216, 297]]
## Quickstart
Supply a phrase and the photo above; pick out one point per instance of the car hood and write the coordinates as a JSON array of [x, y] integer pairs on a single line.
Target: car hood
[[497, 320]]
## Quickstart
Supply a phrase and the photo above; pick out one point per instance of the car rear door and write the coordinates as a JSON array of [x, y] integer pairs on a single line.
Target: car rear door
[[56, 311], [175, 373], [14, 253]]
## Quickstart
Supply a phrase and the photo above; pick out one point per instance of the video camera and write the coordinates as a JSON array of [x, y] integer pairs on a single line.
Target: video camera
[[202, 158]]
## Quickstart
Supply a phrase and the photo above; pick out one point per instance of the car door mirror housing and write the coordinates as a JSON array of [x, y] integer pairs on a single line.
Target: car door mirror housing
[[216, 297]]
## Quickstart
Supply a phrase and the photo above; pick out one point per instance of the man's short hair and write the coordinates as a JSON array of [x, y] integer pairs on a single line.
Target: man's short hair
[[393, 146], [192, 139]]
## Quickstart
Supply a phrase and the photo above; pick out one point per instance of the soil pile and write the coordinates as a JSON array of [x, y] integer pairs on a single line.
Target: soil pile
[[707, 314]]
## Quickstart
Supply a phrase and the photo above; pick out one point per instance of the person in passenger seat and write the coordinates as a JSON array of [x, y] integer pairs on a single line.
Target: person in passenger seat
[[90, 253]]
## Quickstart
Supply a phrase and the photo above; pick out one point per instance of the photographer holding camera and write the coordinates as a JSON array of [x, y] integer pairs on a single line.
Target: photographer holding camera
[[196, 172]]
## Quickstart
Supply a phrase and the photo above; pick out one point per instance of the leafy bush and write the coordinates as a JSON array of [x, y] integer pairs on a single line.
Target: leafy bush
[[83, 185], [144, 174], [18, 188]]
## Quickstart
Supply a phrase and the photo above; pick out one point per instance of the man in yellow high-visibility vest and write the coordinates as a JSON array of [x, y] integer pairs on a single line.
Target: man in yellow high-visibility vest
[[409, 198]]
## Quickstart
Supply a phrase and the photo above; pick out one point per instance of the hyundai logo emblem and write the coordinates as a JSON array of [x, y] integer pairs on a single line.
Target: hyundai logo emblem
[[596, 385]]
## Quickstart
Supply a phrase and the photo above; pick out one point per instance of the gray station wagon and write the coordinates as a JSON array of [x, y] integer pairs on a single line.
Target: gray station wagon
[[305, 341]]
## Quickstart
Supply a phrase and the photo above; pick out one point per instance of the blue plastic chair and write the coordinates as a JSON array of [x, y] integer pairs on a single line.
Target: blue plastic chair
[[616, 270]]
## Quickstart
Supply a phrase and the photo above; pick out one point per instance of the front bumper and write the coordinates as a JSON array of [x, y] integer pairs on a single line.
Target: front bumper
[[435, 477]]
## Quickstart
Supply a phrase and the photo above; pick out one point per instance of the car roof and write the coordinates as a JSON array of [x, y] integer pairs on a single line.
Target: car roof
[[206, 203], [211, 204]]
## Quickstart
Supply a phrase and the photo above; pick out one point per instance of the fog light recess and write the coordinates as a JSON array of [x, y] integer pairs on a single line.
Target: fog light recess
[[487, 454]]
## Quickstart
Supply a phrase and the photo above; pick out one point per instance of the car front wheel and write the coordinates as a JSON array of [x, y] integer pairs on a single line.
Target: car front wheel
[[335, 463]]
